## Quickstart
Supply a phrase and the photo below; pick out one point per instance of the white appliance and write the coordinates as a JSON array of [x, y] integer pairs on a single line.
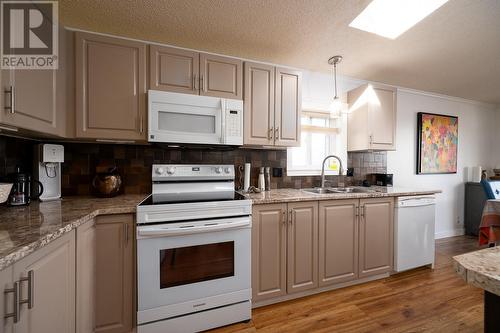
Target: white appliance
[[47, 169], [194, 119], [193, 251], [414, 232]]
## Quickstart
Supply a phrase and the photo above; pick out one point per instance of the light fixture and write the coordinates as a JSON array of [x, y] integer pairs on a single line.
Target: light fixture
[[336, 106], [391, 18]]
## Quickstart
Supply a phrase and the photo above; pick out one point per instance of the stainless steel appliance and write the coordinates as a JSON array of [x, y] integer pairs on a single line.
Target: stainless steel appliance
[[47, 169], [382, 179], [21, 192], [193, 250], [193, 119]]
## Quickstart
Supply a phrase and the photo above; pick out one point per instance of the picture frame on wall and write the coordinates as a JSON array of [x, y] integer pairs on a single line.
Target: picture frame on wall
[[437, 143]]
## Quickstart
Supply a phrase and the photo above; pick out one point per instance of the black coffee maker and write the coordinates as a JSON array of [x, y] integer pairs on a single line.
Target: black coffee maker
[[21, 193]]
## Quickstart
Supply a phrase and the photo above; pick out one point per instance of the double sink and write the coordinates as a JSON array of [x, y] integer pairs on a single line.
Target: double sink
[[332, 190]]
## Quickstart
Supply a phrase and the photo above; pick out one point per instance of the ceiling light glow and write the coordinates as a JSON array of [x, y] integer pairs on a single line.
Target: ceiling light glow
[[391, 18]]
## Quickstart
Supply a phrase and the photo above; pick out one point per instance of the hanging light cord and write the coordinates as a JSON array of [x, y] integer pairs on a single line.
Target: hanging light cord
[[335, 79]]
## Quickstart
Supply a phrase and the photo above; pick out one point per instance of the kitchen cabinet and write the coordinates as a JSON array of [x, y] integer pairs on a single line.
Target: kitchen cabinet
[[110, 88], [7, 300], [338, 241], [173, 69], [284, 249], [272, 101], [191, 72], [114, 277], [85, 278], [376, 236], [35, 99], [269, 235], [371, 123], [302, 253], [46, 281], [259, 104], [221, 76]]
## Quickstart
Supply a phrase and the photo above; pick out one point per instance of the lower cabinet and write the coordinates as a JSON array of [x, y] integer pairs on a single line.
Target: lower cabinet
[[303, 246], [284, 249], [44, 285], [114, 274]]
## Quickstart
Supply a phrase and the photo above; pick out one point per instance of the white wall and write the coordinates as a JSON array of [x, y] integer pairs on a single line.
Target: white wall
[[477, 128]]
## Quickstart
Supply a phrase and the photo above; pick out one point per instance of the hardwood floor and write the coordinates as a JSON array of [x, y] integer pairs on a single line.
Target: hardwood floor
[[421, 300]]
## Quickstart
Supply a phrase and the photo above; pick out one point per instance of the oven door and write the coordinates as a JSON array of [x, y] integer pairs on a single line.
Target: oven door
[[192, 266], [183, 118]]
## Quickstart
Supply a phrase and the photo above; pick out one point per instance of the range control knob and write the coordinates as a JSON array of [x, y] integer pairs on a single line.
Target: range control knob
[[171, 170], [227, 170], [160, 171], [218, 170]]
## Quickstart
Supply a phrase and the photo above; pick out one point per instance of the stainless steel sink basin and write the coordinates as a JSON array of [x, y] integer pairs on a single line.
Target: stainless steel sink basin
[[326, 190]]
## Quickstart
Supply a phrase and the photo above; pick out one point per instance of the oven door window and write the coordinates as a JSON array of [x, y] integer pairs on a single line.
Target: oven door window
[[191, 264]]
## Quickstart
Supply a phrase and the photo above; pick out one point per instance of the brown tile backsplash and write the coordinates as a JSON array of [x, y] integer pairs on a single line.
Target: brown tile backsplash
[[83, 160]]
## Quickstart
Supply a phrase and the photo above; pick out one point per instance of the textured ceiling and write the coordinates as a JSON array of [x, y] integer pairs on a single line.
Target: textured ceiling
[[455, 51]]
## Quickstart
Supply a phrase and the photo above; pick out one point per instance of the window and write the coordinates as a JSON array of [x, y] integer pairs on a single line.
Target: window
[[320, 136]]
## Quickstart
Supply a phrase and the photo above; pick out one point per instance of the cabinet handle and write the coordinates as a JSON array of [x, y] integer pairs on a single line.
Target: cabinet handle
[[194, 82], [271, 131], [363, 210], [202, 82], [31, 286], [277, 133], [12, 106], [357, 211], [291, 216], [15, 313], [371, 138], [142, 124], [284, 217]]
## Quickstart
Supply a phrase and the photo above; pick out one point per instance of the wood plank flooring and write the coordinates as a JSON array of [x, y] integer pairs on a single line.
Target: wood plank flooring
[[421, 300]]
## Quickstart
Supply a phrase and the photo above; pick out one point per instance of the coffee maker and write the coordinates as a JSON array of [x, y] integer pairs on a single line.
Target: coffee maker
[[23, 189], [47, 169]]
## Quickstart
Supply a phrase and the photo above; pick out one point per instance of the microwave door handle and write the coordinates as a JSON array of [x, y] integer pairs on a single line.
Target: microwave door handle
[[159, 232], [223, 121]]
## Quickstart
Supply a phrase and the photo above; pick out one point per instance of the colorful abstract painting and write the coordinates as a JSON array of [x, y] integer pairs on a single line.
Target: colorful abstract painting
[[437, 143]]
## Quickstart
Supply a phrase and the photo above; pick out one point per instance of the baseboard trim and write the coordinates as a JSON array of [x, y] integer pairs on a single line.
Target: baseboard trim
[[449, 233]]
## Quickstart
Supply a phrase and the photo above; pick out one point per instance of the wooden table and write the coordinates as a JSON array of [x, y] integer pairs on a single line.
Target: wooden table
[[489, 229], [482, 269]]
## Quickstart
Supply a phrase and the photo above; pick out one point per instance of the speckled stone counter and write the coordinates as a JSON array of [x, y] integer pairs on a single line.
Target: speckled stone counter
[[25, 229], [480, 268], [290, 195]]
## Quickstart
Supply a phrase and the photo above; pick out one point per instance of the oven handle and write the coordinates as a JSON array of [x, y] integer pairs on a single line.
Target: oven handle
[[159, 231]]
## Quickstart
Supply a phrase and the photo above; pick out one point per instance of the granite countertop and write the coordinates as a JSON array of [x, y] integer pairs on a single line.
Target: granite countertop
[[480, 268], [25, 229], [289, 195]]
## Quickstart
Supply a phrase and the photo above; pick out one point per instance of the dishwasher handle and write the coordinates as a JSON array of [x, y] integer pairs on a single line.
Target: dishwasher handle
[[404, 202]]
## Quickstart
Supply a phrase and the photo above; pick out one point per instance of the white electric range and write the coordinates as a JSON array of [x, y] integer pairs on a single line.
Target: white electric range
[[193, 250]]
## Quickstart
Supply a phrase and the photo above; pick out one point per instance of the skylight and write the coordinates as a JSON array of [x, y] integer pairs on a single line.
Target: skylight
[[391, 18]]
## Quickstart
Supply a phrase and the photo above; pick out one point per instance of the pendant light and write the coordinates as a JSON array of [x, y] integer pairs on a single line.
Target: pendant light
[[336, 106]]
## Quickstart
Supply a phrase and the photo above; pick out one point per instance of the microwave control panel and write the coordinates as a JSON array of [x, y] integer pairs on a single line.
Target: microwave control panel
[[234, 122]]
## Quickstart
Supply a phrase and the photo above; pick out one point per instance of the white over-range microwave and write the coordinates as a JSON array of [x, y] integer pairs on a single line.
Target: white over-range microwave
[[194, 119]]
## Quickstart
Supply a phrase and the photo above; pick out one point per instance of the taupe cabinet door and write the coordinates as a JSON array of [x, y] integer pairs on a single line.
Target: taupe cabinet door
[[6, 300], [221, 76], [302, 254], [372, 118], [288, 107], [338, 241], [85, 278], [259, 104], [53, 287], [376, 236], [269, 227], [115, 283], [172, 69], [110, 88]]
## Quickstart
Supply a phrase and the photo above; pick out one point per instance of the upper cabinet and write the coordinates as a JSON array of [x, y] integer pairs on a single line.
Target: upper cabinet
[[272, 105], [110, 88], [372, 118], [173, 69], [34, 99], [190, 72]]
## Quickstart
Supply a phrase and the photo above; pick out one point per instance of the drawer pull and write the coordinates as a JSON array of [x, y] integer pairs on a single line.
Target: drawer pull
[[31, 286], [15, 313], [12, 106]]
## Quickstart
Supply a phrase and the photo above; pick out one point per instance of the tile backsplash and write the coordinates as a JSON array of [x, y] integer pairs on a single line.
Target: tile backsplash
[[83, 160]]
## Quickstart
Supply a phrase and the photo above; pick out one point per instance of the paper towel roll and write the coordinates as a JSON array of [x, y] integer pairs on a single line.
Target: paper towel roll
[[246, 182]]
